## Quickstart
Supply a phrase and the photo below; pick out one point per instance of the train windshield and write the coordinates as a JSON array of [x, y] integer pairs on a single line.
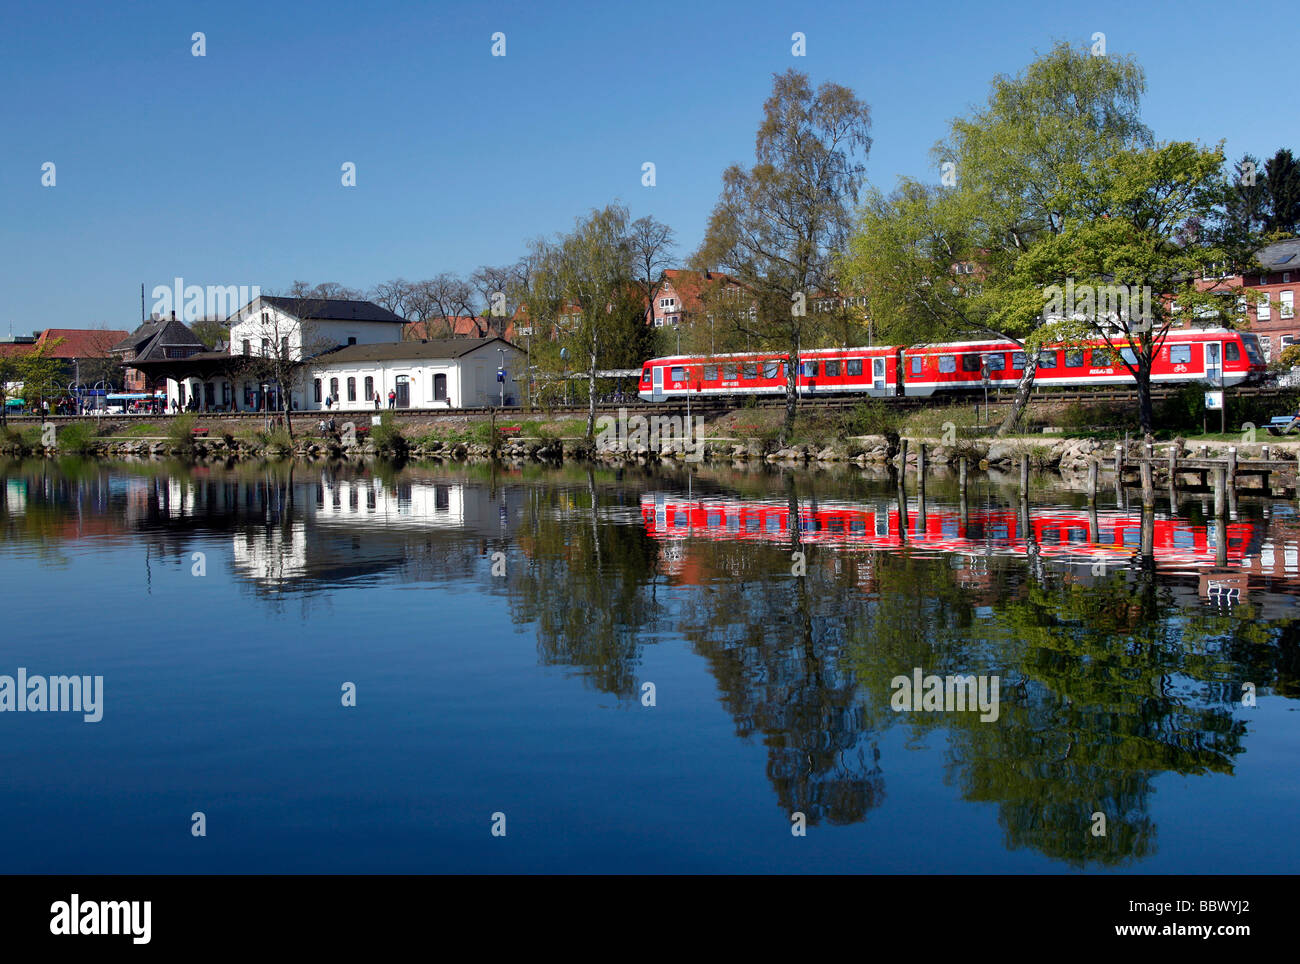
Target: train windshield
[[1253, 351]]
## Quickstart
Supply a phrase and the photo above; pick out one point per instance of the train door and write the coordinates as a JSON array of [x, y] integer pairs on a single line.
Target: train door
[[657, 382], [1213, 362], [878, 374]]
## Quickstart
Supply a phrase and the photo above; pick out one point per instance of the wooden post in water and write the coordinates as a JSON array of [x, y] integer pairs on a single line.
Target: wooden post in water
[[1148, 483], [1173, 467], [1119, 458], [961, 489], [1024, 476], [902, 456], [1092, 481], [920, 464], [1232, 465], [1148, 530], [1220, 486]]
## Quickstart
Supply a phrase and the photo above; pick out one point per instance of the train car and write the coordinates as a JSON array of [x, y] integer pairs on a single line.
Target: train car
[[822, 371], [1214, 355]]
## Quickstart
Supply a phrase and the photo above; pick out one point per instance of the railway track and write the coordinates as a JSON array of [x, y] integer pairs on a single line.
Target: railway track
[[701, 405]]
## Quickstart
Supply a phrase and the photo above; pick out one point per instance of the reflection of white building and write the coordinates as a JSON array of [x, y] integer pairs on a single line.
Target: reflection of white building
[[415, 504], [16, 496], [273, 554]]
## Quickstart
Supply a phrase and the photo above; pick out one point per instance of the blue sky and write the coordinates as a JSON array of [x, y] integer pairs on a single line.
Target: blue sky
[[225, 169]]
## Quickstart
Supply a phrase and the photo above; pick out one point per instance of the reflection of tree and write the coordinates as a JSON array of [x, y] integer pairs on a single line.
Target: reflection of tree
[[1109, 698], [775, 644], [588, 584]]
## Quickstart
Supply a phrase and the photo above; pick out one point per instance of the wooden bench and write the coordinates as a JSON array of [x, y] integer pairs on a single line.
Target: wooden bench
[[1283, 424]]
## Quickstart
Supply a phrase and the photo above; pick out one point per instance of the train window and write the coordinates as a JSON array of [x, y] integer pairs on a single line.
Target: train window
[[947, 363], [729, 372], [832, 369], [774, 523], [749, 370], [677, 374], [1074, 359], [808, 369], [853, 367], [1180, 354], [1129, 355], [1231, 351], [710, 373], [916, 361], [1018, 360], [772, 369], [970, 362], [1252, 349], [997, 361], [1047, 359], [1103, 357]]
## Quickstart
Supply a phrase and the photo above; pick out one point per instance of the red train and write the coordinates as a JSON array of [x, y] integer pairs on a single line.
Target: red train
[[1209, 354]]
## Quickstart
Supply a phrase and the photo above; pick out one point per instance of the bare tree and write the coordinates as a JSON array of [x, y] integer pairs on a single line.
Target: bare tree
[[652, 244]]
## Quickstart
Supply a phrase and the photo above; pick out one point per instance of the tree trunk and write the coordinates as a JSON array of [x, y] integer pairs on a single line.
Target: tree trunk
[[591, 396], [1144, 396], [791, 395], [1023, 391]]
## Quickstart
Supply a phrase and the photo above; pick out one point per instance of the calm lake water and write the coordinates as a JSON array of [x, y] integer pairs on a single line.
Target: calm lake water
[[500, 628]]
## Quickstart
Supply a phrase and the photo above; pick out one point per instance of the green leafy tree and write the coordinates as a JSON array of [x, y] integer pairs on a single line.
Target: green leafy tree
[[779, 225], [1130, 238], [939, 261], [1282, 175]]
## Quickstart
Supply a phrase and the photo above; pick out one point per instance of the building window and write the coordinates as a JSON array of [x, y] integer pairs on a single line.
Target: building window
[[315, 387], [352, 389], [370, 388], [440, 387], [1267, 344], [1288, 304], [284, 348], [334, 389], [352, 339], [266, 348], [248, 348], [1265, 308]]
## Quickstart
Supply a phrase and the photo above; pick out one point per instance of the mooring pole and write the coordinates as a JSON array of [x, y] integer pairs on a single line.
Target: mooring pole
[[1092, 481], [1024, 476]]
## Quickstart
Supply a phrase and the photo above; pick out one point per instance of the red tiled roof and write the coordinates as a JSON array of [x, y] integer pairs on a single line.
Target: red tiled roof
[[462, 326], [77, 342]]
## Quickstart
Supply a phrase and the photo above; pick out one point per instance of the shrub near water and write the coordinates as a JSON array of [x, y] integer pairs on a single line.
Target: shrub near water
[[388, 438], [76, 438], [180, 432]]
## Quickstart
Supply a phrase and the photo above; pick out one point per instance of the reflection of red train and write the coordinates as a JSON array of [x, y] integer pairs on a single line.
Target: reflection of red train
[[1060, 532], [1210, 354]]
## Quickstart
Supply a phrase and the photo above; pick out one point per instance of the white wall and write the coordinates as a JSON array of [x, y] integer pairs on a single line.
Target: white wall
[[471, 380], [258, 321]]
